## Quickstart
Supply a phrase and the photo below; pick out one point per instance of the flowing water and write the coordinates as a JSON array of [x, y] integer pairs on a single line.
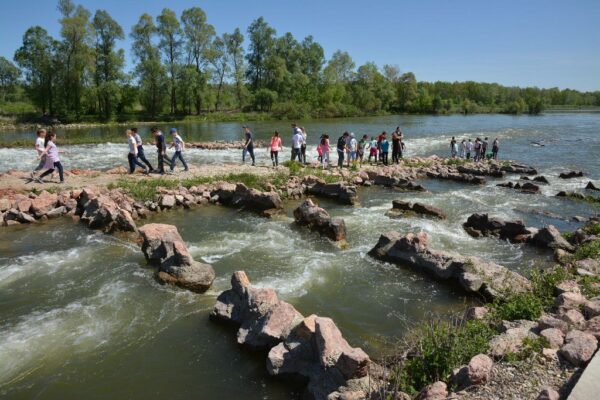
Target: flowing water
[[81, 315]]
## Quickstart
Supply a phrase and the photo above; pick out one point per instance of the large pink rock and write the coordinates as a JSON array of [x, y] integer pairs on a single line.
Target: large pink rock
[[554, 336], [42, 204], [548, 394], [271, 329], [479, 369], [317, 219], [334, 350], [579, 348], [163, 246]]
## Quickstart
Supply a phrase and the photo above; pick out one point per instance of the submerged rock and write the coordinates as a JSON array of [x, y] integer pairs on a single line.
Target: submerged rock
[[401, 206], [590, 186], [570, 174], [343, 193], [163, 246], [471, 273], [478, 225], [317, 219]]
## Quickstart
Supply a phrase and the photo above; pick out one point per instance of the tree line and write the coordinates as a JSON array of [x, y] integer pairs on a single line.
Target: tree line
[[183, 67]]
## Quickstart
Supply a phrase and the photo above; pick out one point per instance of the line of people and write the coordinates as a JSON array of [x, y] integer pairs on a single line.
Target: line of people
[[477, 150]]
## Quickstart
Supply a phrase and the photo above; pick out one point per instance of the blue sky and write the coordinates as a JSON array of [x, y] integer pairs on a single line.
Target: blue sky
[[526, 43]]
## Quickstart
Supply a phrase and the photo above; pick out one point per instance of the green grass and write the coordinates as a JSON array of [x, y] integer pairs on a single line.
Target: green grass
[[456, 161], [593, 228], [407, 162], [587, 250], [435, 348], [518, 306]]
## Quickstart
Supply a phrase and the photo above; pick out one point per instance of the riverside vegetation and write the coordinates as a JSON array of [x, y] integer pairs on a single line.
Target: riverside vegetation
[[184, 70]]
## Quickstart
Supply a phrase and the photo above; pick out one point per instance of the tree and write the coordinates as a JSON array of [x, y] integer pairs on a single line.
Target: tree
[[169, 32], [108, 62], [149, 70], [340, 68], [9, 75], [407, 91], [233, 44], [36, 57], [261, 37], [74, 53], [198, 36], [219, 61]]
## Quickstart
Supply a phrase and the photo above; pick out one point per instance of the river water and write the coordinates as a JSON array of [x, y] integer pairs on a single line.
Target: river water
[[81, 315]]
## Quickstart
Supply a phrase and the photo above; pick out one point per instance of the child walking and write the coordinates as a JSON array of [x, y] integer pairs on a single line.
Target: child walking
[[52, 158], [39, 147], [132, 156], [179, 145], [275, 147]]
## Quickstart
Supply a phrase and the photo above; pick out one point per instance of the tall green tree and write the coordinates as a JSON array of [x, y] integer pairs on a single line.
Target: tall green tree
[[37, 56], [169, 31], [75, 53], [198, 36], [108, 62], [219, 60], [234, 45], [261, 37], [9, 75], [149, 70]]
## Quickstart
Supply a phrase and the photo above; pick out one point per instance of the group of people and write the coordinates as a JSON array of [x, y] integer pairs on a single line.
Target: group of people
[[477, 150], [348, 147], [48, 153]]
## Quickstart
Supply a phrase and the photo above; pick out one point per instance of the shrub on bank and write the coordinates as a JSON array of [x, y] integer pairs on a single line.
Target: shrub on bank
[[436, 347]]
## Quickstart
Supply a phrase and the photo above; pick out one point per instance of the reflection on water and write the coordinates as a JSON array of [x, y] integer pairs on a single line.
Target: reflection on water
[[82, 316]]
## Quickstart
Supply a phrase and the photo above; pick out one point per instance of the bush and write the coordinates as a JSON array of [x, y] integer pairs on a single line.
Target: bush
[[518, 306], [587, 250], [593, 228], [435, 348], [293, 166]]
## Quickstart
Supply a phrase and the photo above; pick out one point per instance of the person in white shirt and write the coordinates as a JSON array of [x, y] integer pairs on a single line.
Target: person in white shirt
[[463, 148], [132, 156], [39, 147], [140, 148], [179, 145], [469, 149], [297, 140]]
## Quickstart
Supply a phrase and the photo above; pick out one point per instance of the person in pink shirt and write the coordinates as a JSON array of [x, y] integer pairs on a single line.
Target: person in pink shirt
[[323, 149], [275, 146]]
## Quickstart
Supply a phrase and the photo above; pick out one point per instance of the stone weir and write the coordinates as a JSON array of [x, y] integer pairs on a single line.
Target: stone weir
[[473, 274], [312, 348], [112, 210]]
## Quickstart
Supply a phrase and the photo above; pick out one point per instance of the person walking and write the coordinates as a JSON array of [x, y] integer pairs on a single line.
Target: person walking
[[179, 145], [363, 145], [274, 147], [477, 150], [341, 149], [303, 146], [373, 149], [161, 150], [379, 139], [248, 145], [140, 149], [463, 148], [52, 158], [453, 147], [39, 148], [495, 148], [469, 149], [395, 147], [352, 149], [484, 146], [132, 156], [324, 149], [384, 147], [297, 140]]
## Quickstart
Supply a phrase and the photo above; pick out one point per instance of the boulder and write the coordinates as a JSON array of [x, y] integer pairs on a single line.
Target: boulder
[[417, 208], [511, 340], [317, 219], [550, 237], [573, 317], [547, 321], [548, 394], [334, 351], [591, 308], [167, 201], [471, 273], [435, 391], [593, 327], [102, 212], [567, 286], [479, 369], [570, 174], [57, 212], [541, 179], [515, 168], [5, 204], [42, 204], [272, 328], [240, 196], [345, 194], [590, 186], [476, 313], [482, 225], [163, 246], [569, 300], [554, 336], [588, 264], [579, 348]]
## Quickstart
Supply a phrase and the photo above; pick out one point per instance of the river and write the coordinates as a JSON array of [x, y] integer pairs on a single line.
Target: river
[[81, 316]]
